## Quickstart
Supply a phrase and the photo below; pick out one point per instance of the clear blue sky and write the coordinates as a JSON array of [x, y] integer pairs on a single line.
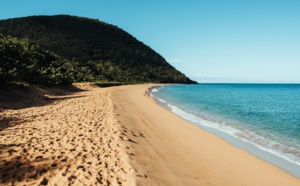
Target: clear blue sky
[[208, 40]]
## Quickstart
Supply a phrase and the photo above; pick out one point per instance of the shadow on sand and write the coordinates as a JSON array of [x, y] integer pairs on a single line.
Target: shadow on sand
[[22, 168], [34, 96], [16, 164]]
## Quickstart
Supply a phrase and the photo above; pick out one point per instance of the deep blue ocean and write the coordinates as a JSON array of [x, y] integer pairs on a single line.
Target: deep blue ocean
[[266, 116]]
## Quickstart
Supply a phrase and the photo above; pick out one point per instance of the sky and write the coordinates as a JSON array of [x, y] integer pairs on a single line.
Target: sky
[[210, 41]]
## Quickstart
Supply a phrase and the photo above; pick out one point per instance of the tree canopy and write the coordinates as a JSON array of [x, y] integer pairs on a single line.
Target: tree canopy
[[75, 49]]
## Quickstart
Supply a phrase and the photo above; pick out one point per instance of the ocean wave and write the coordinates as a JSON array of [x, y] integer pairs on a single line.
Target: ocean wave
[[289, 153], [156, 89]]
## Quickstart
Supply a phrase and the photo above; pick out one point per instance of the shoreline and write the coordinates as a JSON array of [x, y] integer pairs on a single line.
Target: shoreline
[[286, 165], [186, 154], [118, 136]]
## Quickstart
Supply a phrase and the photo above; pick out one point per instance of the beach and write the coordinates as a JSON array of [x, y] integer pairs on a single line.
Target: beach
[[118, 136], [72, 140]]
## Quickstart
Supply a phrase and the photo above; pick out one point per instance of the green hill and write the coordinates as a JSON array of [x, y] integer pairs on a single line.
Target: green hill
[[95, 50], [22, 61]]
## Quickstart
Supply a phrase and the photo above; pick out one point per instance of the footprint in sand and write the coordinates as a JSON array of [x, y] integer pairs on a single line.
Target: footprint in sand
[[44, 181]]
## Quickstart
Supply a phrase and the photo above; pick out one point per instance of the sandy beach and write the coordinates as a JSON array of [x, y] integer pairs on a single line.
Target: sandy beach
[[74, 140], [117, 136]]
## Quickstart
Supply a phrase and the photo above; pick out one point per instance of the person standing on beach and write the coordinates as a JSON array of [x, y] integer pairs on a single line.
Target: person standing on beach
[[148, 93]]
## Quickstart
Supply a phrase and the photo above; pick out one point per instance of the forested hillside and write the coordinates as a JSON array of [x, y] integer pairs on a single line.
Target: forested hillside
[[22, 61], [87, 50]]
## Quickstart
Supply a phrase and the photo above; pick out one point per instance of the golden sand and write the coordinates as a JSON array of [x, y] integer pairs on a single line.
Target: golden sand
[[117, 136]]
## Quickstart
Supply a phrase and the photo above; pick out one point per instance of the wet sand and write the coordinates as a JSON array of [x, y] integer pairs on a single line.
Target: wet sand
[[171, 151], [117, 136]]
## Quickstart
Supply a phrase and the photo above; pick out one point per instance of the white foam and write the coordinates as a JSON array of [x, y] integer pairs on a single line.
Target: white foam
[[243, 134], [156, 89]]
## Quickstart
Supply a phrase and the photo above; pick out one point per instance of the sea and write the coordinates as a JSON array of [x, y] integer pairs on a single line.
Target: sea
[[263, 119]]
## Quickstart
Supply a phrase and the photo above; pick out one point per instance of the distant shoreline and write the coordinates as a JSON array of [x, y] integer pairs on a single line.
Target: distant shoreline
[[199, 157], [116, 136], [281, 162], [250, 83]]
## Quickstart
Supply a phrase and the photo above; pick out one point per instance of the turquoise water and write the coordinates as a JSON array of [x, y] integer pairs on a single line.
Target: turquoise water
[[264, 115]]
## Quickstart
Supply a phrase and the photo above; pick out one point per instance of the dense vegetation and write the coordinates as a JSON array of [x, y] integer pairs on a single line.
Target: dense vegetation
[[24, 62], [81, 50]]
